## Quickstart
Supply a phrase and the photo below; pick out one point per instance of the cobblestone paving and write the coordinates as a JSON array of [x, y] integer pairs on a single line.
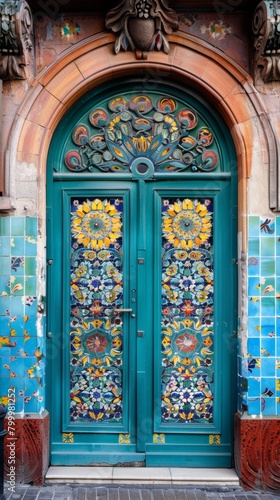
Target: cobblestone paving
[[157, 492]]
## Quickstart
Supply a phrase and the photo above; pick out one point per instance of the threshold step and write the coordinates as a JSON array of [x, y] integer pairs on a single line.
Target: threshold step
[[141, 475]]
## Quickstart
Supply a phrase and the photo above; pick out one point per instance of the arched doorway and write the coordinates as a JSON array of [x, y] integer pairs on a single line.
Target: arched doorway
[[142, 280]]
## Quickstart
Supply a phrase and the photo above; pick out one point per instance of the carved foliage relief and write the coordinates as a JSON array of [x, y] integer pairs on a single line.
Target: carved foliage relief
[[16, 39], [266, 30]]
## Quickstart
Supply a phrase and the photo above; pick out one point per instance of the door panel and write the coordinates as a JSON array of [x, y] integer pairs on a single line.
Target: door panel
[[138, 296]]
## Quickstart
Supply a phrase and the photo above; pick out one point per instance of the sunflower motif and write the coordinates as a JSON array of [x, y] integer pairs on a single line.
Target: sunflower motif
[[187, 224], [96, 224]]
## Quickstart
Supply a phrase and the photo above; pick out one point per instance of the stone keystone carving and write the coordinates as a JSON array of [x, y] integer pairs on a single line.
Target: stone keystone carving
[[266, 29], [142, 25], [16, 39]]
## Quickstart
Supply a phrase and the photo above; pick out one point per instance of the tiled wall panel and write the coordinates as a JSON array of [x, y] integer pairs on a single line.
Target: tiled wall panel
[[261, 368], [22, 362]]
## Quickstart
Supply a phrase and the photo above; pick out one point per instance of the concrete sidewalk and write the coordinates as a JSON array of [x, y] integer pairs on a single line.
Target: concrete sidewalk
[[124, 492]]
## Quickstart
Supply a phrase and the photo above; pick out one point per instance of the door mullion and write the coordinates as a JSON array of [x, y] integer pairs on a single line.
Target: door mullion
[[141, 407]]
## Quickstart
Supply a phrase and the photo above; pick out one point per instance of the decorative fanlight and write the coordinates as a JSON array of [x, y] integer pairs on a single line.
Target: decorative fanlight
[[142, 25]]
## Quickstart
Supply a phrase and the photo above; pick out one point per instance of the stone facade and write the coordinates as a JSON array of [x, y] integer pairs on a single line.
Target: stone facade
[[70, 54]]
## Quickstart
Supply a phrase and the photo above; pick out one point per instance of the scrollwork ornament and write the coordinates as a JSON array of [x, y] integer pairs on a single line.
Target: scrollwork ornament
[[142, 25], [16, 39], [266, 30]]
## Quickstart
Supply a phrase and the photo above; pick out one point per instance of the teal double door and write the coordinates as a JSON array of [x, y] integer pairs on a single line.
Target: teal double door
[[141, 323], [141, 300]]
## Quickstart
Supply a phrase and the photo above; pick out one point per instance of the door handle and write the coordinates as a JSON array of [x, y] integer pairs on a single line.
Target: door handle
[[117, 311]]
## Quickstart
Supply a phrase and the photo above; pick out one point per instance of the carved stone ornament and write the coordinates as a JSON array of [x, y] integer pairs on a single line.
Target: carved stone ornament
[[16, 39], [266, 29], [142, 25]]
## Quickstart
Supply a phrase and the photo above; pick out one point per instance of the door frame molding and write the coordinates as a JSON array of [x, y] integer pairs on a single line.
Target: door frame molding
[[192, 62]]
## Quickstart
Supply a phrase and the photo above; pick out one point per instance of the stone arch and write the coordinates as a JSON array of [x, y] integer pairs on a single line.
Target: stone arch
[[92, 62]]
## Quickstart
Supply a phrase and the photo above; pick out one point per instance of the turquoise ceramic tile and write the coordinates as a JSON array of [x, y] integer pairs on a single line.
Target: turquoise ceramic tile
[[268, 327], [4, 285], [254, 306], [268, 246], [254, 406], [31, 226], [254, 266], [254, 247], [30, 266], [269, 407], [5, 246], [18, 351], [267, 347], [268, 387], [17, 246], [254, 387], [4, 325], [277, 308], [268, 286], [30, 246], [277, 266], [253, 347], [268, 367], [17, 226], [31, 404], [267, 226], [5, 266], [17, 285], [5, 384], [277, 225], [17, 266], [277, 287], [31, 285], [267, 306], [4, 368], [17, 307], [16, 326], [253, 225], [5, 305], [30, 306], [254, 286], [277, 247], [277, 341], [5, 226], [254, 326], [268, 266], [30, 327], [254, 366], [30, 346]]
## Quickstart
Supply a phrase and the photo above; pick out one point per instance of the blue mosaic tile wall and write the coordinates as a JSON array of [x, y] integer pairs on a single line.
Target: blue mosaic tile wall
[[22, 362], [260, 371]]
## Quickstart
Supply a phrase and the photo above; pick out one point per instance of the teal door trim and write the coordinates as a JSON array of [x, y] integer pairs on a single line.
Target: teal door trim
[[142, 436]]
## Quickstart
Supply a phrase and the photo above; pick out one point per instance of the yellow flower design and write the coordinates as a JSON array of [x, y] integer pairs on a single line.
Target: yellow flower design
[[187, 224], [96, 224]]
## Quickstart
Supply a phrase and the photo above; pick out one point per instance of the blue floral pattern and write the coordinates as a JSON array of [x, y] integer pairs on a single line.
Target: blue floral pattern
[[96, 334], [187, 311]]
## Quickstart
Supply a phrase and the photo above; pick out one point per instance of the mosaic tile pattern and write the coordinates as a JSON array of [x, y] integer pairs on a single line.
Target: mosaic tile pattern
[[22, 361], [259, 380]]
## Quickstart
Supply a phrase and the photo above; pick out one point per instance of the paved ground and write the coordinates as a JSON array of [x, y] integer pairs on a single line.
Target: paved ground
[[157, 492]]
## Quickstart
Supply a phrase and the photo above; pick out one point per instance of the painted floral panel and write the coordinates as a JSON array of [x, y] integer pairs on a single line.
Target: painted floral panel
[[187, 310], [96, 333]]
